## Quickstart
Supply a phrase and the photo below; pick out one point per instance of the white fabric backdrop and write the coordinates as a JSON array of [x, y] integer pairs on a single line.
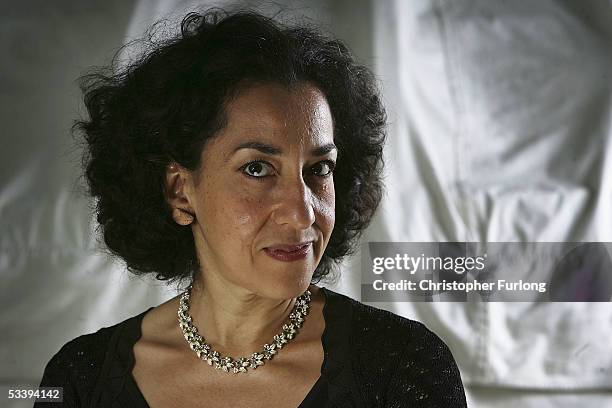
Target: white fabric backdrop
[[500, 131]]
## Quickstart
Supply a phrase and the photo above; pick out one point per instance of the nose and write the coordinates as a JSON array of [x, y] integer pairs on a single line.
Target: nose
[[294, 206]]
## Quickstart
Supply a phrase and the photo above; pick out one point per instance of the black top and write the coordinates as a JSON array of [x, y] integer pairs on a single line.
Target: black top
[[372, 358]]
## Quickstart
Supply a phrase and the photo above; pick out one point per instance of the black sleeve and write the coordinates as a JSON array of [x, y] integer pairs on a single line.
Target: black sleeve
[[58, 374], [76, 368], [426, 376]]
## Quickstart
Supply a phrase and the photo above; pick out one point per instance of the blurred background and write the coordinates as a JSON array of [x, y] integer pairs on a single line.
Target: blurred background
[[500, 125]]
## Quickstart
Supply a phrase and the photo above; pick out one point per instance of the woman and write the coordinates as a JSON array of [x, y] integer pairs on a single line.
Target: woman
[[244, 157]]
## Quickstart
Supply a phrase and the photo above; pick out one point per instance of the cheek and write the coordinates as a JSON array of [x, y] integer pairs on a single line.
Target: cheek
[[245, 214], [244, 219], [326, 207], [230, 212]]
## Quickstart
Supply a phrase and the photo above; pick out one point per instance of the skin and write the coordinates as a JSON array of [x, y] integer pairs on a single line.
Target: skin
[[243, 296]]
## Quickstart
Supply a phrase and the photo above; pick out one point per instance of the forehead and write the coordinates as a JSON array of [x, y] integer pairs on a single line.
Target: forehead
[[275, 113]]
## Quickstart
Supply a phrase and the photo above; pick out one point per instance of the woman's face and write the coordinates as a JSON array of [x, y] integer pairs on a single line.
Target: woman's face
[[263, 197]]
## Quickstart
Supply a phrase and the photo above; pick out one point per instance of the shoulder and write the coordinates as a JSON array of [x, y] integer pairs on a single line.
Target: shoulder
[[78, 363], [371, 326], [400, 360], [392, 332]]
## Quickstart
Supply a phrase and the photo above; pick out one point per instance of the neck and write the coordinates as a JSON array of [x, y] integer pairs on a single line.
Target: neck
[[233, 320]]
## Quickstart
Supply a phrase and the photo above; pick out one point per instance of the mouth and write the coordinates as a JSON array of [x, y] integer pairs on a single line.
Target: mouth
[[289, 253]]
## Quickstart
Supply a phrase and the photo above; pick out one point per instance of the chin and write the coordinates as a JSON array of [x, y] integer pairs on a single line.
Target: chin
[[287, 286]]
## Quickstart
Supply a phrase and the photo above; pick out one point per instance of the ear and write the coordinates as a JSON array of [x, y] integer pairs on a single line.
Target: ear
[[177, 195]]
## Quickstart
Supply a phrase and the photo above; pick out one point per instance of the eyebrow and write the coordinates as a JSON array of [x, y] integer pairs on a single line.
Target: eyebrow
[[275, 151]]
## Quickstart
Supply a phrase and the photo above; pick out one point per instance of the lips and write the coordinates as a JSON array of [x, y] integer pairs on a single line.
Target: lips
[[289, 253], [288, 248]]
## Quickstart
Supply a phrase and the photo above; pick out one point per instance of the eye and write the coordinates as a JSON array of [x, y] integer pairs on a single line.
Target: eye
[[258, 169], [323, 168]]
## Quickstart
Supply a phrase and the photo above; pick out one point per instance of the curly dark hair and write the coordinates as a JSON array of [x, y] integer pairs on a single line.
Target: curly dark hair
[[164, 106]]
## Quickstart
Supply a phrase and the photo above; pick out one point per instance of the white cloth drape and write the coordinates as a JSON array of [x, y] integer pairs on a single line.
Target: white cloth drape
[[500, 131]]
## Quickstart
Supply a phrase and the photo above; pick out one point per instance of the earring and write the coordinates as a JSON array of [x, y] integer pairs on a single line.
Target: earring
[[182, 217]]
